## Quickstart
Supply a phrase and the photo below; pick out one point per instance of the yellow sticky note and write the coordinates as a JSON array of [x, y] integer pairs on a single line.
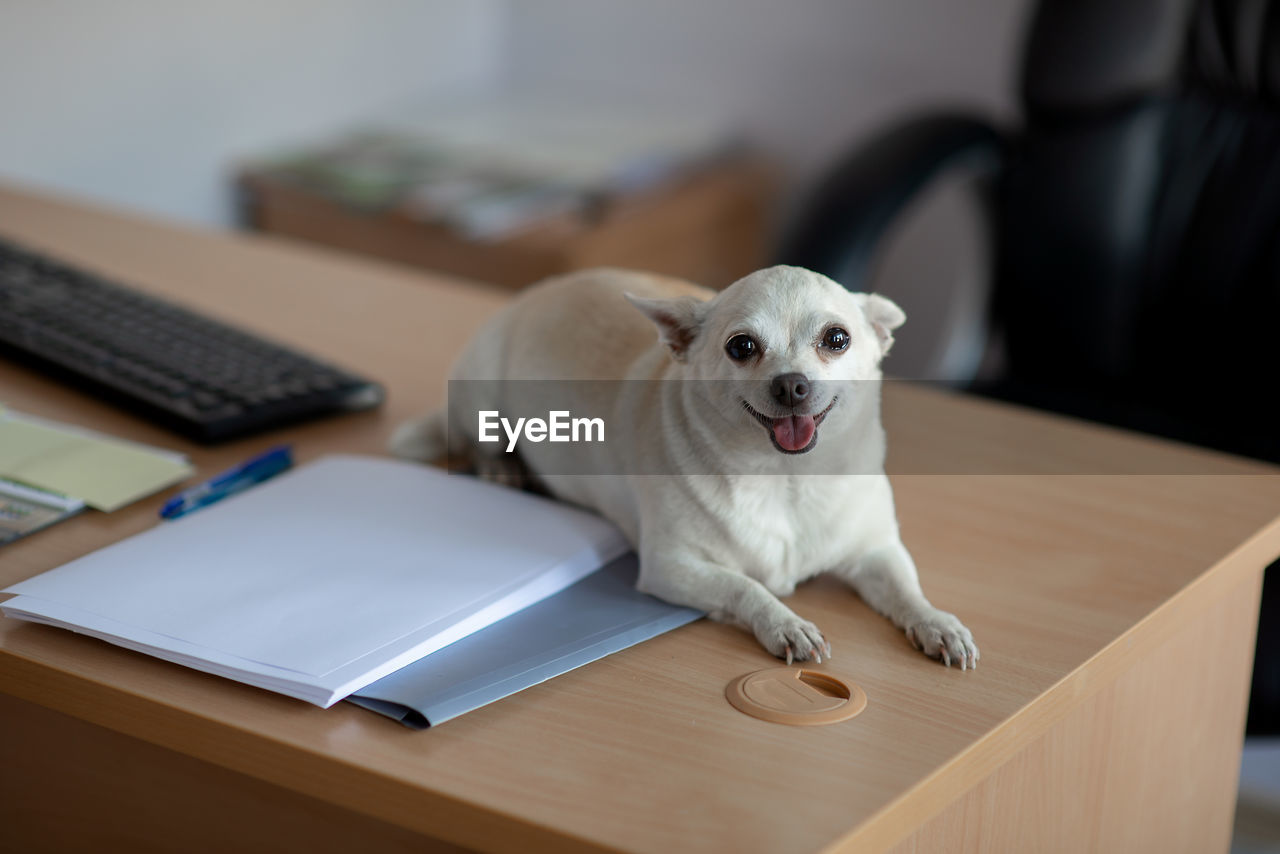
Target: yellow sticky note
[[105, 473]]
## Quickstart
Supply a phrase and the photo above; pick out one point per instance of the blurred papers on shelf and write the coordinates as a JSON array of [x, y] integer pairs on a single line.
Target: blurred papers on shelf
[[489, 171]]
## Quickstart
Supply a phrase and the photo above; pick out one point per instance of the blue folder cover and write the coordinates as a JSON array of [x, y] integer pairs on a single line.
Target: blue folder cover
[[598, 615]]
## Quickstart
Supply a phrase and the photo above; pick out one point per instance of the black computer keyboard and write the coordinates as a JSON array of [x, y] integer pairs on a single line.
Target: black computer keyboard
[[204, 379]]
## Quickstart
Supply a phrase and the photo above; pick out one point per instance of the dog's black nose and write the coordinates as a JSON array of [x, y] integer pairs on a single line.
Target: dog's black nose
[[789, 389]]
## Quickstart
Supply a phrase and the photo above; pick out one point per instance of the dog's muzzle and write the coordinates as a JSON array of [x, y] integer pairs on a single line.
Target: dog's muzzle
[[792, 434]]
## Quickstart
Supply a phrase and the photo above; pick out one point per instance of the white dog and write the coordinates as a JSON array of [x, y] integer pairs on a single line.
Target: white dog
[[744, 454]]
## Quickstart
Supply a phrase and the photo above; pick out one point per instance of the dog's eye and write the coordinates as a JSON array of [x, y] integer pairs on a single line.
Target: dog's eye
[[741, 347], [835, 339]]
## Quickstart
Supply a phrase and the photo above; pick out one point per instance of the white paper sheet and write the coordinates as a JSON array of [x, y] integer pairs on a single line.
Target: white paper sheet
[[329, 576]]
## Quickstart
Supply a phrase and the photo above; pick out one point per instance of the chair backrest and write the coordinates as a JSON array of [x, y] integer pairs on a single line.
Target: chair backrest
[[1140, 213]]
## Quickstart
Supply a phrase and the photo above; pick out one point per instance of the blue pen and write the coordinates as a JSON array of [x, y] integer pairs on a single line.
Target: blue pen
[[247, 474]]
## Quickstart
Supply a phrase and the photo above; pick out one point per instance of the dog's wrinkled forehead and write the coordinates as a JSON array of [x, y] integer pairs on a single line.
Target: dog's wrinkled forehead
[[783, 301]]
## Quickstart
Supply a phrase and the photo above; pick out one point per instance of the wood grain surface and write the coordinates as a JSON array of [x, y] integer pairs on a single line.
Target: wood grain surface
[[1080, 558]]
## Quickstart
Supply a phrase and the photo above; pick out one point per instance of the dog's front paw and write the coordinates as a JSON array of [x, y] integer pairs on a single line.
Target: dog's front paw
[[942, 636], [793, 639]]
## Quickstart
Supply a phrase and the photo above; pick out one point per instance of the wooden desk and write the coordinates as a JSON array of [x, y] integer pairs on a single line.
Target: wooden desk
[[711, 225], [1115, 613]]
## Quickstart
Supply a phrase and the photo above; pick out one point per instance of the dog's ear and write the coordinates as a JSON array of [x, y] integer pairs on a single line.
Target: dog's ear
[[678, 320], [884, 316]]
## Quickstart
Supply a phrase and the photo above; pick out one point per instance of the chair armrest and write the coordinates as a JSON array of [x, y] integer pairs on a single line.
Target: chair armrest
[[840, 226]]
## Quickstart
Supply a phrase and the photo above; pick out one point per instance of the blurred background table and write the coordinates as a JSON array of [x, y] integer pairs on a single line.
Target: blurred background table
[[512, 193]]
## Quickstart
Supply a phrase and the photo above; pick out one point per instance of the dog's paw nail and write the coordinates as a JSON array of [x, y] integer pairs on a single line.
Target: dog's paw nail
[[789, 656]]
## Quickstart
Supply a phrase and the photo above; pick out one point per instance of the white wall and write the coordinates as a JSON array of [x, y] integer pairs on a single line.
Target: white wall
[[146, 103], [804, 77]]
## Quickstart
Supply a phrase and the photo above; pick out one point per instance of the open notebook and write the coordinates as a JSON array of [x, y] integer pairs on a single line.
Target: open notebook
[[326, 578]]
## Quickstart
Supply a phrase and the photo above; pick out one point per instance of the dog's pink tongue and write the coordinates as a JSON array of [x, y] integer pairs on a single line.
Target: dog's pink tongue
[[794, 433]]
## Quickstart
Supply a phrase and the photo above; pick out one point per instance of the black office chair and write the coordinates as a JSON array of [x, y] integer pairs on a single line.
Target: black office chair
[[1135, 216]]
